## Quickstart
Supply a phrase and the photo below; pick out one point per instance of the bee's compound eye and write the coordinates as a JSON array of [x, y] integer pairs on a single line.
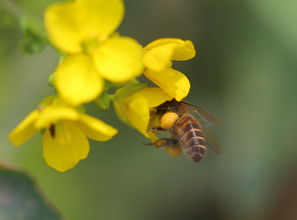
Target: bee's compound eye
[[168, 119]]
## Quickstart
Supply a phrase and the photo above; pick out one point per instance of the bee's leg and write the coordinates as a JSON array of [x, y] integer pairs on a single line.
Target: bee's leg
[[156, 129], [165, 142]]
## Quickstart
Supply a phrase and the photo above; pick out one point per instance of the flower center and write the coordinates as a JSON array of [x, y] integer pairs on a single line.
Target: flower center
[[89, 45]]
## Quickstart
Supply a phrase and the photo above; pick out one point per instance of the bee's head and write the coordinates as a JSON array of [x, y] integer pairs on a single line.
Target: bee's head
[[169, 106]]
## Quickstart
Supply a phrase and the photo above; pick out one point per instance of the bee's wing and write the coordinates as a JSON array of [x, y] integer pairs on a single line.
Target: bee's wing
[[212, 141], [204, 114]]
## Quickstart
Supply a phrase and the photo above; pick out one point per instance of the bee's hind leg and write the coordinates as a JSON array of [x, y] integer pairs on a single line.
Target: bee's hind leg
[[156, 129], [164, 142]]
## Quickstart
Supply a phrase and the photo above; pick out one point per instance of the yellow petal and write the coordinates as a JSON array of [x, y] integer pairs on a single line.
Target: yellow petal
[[119, 59], [159, 53], [173, 82], [162, 41], [66, 148], [52, 114], [77, 80], [154, 122], [72, 23], [135, 109], [154, 96], [158, 58], [25, 130], [95, 129], [138, 113], [184, 51], [120, 96]]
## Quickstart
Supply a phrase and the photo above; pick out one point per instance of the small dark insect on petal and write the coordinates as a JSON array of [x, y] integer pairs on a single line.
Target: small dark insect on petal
[[52, 130]]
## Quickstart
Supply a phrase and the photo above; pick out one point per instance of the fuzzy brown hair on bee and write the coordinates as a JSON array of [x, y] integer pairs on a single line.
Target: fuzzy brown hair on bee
[[187, 132]]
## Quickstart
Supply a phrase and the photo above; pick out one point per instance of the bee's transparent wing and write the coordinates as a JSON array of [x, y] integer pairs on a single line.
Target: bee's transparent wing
[[208, 117], [212, 141]]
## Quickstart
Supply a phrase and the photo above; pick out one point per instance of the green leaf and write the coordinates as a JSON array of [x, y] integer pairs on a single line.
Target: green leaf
[[34, 39], [21, 199]]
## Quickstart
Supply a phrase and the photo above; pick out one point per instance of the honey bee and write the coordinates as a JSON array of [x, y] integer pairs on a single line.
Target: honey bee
[[187, 132]]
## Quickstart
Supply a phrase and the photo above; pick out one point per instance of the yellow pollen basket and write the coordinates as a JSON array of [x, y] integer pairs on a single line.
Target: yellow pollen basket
[[168, 119]]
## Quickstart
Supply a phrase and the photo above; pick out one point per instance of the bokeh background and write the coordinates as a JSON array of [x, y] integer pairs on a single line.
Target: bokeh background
[[245, 72]]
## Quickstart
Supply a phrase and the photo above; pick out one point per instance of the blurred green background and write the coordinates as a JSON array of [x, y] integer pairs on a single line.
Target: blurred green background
[[244, 72]]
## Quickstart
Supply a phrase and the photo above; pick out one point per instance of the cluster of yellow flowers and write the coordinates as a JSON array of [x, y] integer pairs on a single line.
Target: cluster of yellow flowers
[[84, 31]]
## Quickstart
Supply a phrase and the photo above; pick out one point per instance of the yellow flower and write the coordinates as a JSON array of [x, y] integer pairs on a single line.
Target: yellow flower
[[84, 29], [138, 108], [65, 133], [158, 58]]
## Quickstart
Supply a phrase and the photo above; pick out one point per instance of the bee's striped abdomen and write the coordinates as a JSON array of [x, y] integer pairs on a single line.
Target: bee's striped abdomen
[[190, 136]]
